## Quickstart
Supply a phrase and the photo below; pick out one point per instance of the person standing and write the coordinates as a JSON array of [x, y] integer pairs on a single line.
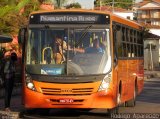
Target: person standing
[[9, 75], [2, 61]]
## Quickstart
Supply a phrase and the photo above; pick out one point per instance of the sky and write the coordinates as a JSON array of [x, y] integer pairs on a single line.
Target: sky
[[138, 0], [89, 4]]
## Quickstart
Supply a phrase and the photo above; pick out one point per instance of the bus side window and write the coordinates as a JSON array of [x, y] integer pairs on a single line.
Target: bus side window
[[128, 49], [118, 41]]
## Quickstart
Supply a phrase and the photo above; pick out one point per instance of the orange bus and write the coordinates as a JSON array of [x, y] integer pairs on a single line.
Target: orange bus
[[101, 60]]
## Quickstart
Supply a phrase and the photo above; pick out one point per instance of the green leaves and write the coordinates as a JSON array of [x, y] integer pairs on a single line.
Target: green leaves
[[126, 4], [10, 7], [11, 17], [59, 3], [73, 5], [5, 10], [21, 4]]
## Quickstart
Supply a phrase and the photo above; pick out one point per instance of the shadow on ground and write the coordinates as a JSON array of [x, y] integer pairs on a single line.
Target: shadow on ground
[[151, 91]]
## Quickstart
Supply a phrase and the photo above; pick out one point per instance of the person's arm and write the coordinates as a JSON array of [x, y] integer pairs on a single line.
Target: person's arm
[[80, 50]]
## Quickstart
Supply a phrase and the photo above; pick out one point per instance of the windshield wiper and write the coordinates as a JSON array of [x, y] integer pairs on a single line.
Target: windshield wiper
[[84, 32]]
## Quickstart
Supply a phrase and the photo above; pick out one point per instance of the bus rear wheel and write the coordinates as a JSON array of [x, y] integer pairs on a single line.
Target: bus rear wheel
[[132, 102]]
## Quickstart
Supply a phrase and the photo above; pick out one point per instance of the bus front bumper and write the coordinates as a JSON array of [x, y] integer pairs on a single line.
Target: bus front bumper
[[102, 99]]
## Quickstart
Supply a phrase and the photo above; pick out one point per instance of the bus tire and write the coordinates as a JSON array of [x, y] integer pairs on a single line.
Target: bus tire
[[115, 110], [132, 102], [43, 111], [30, 111], [122, 104]]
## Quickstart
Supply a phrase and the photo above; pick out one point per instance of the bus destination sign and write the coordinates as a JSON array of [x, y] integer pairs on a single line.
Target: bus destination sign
[[68, 18]]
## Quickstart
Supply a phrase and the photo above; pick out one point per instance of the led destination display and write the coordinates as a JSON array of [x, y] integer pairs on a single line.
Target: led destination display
[[69, 18]]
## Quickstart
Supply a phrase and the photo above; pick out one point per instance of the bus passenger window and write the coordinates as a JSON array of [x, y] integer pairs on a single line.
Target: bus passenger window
[[123, 34], [132, 50], [124, 50], [128, 50]]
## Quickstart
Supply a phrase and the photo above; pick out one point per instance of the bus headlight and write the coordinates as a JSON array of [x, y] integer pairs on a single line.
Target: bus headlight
[[29, 83], [105, 83]]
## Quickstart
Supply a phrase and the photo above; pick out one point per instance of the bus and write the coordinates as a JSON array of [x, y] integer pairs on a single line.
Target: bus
[[88, 77]]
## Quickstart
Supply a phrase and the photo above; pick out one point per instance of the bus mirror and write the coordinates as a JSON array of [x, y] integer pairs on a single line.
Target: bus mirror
[[21, 35]]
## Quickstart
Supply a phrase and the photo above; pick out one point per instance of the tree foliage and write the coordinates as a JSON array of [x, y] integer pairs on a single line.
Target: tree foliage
[[73, 5], [59, 3], [126, 4], [11, 17]]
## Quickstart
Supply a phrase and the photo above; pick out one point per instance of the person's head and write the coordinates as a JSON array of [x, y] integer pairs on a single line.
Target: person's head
[[7, 55], [13, 56], [96, 43], [58, 40], [61, 42]]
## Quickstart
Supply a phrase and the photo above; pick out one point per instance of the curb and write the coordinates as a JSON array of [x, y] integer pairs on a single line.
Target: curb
[[151, 74], [9, 115]]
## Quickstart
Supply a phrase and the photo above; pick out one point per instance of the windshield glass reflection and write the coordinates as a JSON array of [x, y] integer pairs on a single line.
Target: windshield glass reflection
[[69, 51]]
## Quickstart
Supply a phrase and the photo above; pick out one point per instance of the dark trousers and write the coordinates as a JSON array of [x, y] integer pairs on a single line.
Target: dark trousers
[[8, 85]]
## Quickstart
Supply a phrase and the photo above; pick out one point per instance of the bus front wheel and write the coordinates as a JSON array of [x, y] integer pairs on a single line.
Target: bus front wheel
[[115, 110]]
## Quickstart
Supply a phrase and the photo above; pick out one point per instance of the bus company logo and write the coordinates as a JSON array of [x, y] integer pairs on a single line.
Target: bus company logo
[[66, 90]]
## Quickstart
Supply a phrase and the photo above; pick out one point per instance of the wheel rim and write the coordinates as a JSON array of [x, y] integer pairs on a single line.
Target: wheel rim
[[135, 93], [119, 98]]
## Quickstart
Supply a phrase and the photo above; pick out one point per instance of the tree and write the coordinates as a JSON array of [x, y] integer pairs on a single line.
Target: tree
[[98, 3], [73, 5], [59, 3], [10, 17], [125, 4]]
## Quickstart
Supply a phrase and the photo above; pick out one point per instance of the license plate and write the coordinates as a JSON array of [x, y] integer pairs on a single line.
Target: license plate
[[66, 100]]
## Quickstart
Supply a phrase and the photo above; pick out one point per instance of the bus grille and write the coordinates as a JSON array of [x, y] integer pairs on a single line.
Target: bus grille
[[67, 92]]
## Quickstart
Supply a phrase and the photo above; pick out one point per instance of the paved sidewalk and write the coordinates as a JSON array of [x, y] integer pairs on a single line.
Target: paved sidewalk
[[16, 107], [9, 115], [151, 74]]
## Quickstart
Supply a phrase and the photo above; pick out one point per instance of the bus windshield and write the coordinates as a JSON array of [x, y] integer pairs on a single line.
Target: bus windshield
[[68, 51]]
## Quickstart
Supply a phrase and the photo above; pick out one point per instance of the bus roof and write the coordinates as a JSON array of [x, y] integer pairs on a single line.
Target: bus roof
[[114, 17]]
